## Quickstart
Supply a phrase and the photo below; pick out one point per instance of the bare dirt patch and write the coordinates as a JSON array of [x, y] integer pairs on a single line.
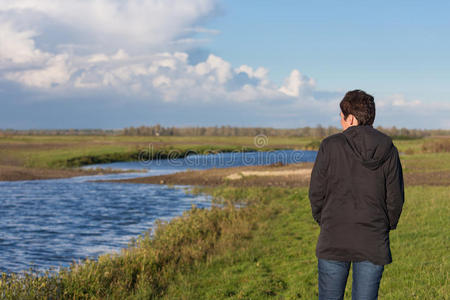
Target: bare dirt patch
[[291, 175], [15, 173], [304, 172]]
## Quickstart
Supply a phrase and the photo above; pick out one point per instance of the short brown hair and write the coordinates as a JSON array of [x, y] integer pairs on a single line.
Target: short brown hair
[[361, 105]]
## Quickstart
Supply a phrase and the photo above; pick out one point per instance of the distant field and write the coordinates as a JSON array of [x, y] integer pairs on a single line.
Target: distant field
[[41, 157], [54, 151], [34, 157]]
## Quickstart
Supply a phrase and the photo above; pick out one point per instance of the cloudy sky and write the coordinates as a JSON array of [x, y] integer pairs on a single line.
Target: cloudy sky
[[285, 64]]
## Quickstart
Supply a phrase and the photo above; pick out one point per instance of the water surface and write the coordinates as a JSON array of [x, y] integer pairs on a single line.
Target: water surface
[[50, 223]]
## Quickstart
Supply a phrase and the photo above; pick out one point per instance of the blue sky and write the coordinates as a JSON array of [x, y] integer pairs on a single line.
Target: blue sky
[[285, 64], [382, 46]]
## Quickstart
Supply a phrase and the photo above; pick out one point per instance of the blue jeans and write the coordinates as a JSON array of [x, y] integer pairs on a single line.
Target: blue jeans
[[333, 279]]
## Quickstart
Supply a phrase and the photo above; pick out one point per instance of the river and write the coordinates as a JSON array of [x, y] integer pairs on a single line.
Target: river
[[50, 223]]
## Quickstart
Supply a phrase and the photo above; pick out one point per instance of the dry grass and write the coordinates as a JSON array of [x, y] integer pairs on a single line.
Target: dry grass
[[436, 145]]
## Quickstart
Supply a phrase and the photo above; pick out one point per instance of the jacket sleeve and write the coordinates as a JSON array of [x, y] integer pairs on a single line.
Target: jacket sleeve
[[395, 194], [318, 183]]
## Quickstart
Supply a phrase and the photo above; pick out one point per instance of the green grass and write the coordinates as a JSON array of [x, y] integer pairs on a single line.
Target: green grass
[[414, 160], [410, 146], [29, 139], [425, 162], [280, 262], [261, 251]]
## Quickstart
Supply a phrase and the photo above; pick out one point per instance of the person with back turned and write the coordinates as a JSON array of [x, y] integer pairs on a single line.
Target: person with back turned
[[356, 194]]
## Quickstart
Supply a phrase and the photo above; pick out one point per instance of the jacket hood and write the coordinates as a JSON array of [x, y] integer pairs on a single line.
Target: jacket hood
[[369, 146]]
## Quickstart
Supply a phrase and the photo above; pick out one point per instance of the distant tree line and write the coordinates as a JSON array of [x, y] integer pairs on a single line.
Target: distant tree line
[[6, 132], [157, 130]]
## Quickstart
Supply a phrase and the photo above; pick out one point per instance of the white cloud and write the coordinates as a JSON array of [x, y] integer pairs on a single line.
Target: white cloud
[[133, 47], [400, 111], [166, 76], [81, 36], [55, 72], [144, 22], [202, 30], [18, 47], [296, 83], [260, 73], [398, 100], [96, 58], [160, 81], [216, 67], [120, 55]]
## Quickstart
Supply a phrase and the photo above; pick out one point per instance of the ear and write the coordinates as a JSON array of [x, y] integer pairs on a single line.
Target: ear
[[353, 120], [350, 119]]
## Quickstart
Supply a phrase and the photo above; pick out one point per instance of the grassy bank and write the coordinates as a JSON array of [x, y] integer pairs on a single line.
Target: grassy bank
[[280, 261], [262, 250]]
